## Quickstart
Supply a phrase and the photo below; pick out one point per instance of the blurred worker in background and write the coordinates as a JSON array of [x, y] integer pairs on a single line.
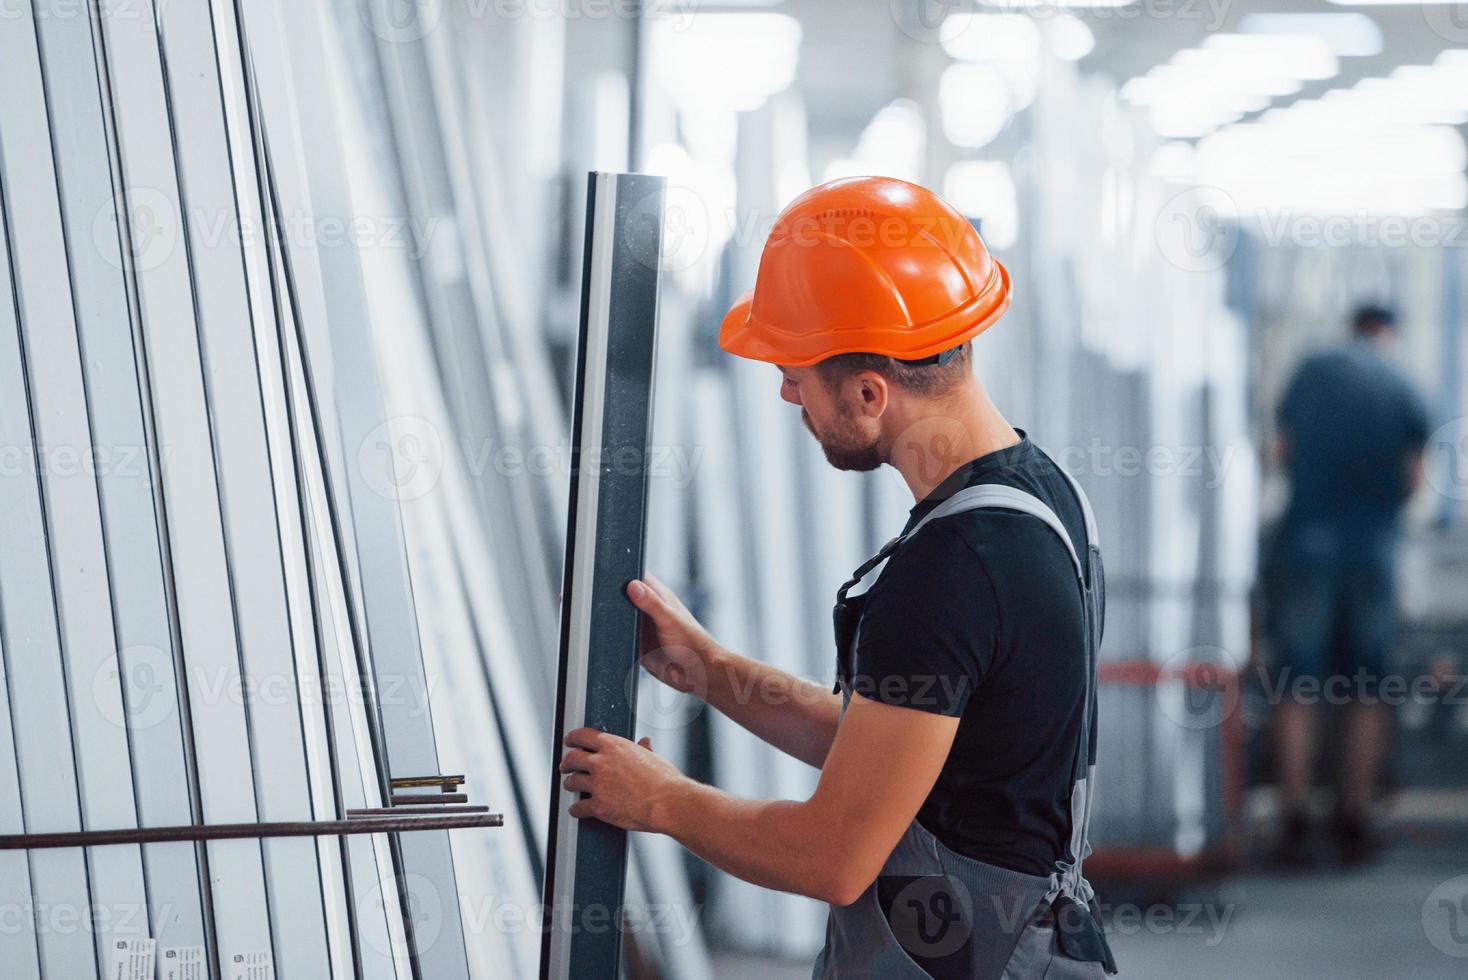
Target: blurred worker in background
[[957, 752], [1351, 434]]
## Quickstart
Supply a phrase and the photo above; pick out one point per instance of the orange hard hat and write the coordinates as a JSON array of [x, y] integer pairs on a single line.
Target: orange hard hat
[[866, 264]]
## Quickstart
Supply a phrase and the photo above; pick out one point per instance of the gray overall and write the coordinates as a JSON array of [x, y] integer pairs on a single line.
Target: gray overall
[[933, 912]]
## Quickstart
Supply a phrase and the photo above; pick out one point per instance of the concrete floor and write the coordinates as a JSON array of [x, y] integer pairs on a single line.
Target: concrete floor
[[1366, 923]]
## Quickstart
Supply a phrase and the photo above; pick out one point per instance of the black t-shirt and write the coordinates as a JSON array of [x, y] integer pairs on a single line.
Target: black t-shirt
[[979, 616]]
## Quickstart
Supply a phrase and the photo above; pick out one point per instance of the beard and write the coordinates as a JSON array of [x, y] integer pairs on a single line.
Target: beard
[[846, 447]]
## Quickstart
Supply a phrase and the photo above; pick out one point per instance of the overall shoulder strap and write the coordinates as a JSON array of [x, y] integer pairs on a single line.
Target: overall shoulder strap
[[999, 497], [1087, 514], [983, 496], [1068, 877]]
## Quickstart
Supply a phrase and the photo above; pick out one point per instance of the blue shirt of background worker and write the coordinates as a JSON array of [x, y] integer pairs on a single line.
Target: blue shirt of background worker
[[1352, 431]]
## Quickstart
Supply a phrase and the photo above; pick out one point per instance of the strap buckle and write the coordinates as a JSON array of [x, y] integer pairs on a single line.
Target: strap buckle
[[937, 360]]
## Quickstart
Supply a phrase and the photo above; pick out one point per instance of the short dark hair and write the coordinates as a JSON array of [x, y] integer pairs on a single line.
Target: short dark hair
[[926, 380], [1370, 318]]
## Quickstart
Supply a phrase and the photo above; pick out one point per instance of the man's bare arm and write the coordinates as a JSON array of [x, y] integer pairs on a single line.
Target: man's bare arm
[[830, 847], [796, 716]]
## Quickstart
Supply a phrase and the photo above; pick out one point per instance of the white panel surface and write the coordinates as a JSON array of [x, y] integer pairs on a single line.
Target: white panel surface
[[166, 298]]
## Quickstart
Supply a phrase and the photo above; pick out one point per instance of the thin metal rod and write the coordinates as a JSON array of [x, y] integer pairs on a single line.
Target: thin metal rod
[[428, 799], [413, 782], [231, 831], [388, 811]]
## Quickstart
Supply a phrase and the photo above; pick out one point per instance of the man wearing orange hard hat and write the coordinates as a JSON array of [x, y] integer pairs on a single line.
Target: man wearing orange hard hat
[[957, 751]]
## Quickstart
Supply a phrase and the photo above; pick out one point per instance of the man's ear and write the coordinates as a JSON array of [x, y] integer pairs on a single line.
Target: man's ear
[[872, 392]]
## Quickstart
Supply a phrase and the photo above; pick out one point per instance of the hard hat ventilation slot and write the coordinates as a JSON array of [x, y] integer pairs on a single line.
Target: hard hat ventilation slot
[[846, 213]]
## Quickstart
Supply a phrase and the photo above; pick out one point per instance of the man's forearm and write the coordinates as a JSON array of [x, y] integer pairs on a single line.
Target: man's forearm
[[776, 844], [796, 716]]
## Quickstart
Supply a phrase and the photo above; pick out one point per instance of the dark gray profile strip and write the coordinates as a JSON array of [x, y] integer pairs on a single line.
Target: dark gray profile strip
[[587, 860]]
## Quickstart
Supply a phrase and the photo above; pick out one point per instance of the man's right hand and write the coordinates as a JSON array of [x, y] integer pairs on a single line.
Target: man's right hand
[[675, 646]]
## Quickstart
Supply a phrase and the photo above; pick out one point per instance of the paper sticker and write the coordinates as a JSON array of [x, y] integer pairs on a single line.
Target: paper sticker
[[251, 966], [132, 959], [183, 963]]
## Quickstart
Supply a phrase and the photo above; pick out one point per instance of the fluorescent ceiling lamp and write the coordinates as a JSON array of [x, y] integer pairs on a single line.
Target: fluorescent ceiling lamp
[[1423, 78], [1451, 68], [1445, 79], [731, 61], [1230, 72], [609, 127], [974, 103], [1411, 95], [984, 190], [1309, 163], [1292, 55], [1070, 38], [1448, 192], [1186, 121], [1008, 43], [1349, 35], [1173, 161], [1171, 87], [1416, 88], [894, 143], [989, 37], [844, 167], [1073, 4]]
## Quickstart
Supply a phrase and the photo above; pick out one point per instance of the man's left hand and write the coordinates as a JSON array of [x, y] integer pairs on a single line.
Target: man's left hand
[[627, 782]]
